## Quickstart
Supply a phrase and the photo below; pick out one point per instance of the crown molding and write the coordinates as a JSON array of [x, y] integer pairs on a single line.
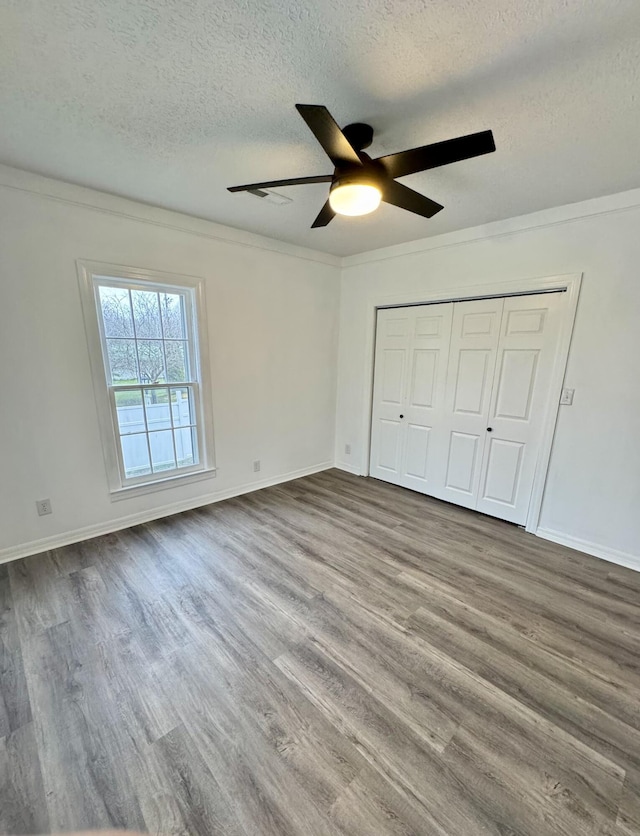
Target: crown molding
[[607, 205], [58, 190]]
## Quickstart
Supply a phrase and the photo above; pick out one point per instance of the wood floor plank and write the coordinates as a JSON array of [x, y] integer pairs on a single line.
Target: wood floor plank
[[15, 705], [596, 782], [403, 759], [358, 640], [229, 672], [333, 656], [36, 588], [79, 733], [178, 794], [23, 806], [370, 804], [261, 763], [576, 635], [628, 819], [521, 797], [518, 666]]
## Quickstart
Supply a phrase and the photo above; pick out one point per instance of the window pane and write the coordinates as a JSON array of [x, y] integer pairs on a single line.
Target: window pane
[[136, 455], [151, 360], [172, 311], [122, 361], [181, 407], [162, 454], [116, 311], [176, 353], [130, 412], [157, 404], [149, 339], [146, 314], [185, 446]]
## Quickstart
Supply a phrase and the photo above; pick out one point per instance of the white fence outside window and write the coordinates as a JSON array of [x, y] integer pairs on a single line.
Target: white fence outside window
[[131, 420]]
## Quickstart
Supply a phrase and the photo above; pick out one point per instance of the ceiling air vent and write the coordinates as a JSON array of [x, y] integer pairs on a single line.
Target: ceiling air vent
[[270, 197]]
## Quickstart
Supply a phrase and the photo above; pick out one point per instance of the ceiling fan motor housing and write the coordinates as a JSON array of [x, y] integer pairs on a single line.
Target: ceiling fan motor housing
[[364, 176], [359, 135]]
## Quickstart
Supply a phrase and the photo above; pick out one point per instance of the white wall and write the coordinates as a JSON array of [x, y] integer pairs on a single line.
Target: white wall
[[272, 312], [592, 496]]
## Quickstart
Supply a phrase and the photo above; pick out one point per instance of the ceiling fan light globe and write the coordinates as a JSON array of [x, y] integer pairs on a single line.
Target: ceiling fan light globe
[[354, 198]]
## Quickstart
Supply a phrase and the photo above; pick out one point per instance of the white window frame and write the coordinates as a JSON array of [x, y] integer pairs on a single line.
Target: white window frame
[[91, 275]]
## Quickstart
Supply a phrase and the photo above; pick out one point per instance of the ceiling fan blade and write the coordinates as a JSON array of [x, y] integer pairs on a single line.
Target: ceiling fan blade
[[408, 199], [326, 131], [437, 154], [296, 181], [325, 216]]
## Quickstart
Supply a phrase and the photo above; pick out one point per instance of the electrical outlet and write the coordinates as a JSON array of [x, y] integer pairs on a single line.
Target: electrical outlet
[[256, 466], [347, 449], [43, 507], [566, 398]]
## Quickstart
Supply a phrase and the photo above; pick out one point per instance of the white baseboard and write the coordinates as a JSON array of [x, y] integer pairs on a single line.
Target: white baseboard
[[58, 540], [348, 468], [630, 561]]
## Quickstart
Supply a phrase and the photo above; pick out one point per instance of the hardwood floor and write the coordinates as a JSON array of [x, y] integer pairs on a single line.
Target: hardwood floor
[[330, 656]]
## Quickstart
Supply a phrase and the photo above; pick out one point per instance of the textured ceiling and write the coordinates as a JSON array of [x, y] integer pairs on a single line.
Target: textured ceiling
[[170, 101]]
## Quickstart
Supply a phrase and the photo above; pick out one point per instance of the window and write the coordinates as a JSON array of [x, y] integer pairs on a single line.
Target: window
[[148, 330]]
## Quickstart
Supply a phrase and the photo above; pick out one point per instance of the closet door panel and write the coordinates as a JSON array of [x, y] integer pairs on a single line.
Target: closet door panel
[[389, 443], [424, 376], [517, 376], [461, 464], [393, 344], [424, 405], [393, 362], [417, 452], [472, 357], [504, 460], [471, 387], [412, 346], [520, 400]]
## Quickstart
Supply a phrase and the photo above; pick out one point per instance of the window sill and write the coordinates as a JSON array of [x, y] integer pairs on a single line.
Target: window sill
[[161, 484]]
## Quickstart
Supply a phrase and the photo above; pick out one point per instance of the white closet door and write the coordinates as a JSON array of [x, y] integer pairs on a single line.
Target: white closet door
[[393, 342], [412, 347], [472, 360], [519, 401]]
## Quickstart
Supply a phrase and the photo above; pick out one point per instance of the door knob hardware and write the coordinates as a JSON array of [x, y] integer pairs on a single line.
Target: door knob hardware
[[489, 429], [402, 416]]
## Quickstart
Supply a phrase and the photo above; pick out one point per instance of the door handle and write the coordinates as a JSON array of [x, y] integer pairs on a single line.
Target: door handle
[[489, 429], [402, 416]]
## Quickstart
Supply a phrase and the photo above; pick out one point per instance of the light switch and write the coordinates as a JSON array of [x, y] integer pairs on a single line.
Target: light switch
[[566, 398]]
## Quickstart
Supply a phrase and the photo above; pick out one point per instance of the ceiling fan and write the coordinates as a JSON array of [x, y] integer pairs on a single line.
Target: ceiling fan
[[358, 183]]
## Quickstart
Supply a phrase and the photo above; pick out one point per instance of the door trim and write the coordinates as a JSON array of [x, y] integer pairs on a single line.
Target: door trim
[[569, 283]]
